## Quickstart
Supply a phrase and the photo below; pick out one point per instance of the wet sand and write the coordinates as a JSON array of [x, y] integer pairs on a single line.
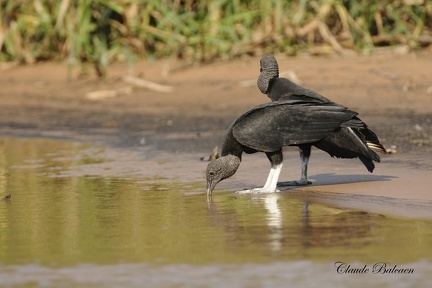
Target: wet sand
[[303, 274]]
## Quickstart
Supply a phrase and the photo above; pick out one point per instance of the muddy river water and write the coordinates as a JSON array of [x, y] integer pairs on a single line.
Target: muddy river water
[[84, 216]]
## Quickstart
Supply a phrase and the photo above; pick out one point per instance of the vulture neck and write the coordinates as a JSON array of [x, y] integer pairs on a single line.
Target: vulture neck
[[275, 90], [285, 89], [280, 88], [231, 146]]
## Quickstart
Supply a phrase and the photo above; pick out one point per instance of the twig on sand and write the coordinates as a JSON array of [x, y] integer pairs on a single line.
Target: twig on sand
[[213, 155], [147, 84], [380, 72], [104, 94], [291, 75]]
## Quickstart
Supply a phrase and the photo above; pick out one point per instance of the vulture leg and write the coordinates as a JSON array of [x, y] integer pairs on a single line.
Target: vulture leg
[[276, 159], [305, 152]]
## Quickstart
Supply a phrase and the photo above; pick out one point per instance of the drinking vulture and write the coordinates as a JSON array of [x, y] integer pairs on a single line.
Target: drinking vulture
[[338, 145], [269, 127]]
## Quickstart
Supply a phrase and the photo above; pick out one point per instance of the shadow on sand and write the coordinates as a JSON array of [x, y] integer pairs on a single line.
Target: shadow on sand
[[333, 178]]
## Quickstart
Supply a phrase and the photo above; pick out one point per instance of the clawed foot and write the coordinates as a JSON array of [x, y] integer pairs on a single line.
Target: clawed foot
[[255, 191], [301, 182]]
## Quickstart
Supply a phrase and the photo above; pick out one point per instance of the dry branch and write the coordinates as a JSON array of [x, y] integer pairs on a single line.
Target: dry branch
[[104, 94], [147, 84]]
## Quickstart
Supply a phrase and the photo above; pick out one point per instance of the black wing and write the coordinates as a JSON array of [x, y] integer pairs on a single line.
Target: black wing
[[274, 125]]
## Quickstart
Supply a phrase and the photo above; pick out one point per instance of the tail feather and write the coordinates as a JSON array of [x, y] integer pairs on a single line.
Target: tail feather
[[353, 142], [358, 138], [370, 166], [376, 147], [371, 139]]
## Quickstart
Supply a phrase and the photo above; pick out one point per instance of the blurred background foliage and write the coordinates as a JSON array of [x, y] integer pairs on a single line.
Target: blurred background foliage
[[102, 31]]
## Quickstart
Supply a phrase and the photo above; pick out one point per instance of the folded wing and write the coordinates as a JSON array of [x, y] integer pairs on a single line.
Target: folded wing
[[274, 125]]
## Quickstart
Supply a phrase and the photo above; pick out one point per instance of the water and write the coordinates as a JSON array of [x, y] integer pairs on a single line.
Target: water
[[61, 230]]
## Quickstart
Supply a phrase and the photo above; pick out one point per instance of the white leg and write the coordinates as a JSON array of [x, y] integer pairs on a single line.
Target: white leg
[[270, 177], [270, 184]]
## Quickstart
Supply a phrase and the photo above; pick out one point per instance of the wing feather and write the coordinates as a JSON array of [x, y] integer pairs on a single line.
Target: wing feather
[[274, 125]]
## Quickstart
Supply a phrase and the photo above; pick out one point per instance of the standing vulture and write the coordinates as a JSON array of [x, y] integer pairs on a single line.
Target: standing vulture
[[269, 127], [346, 142]]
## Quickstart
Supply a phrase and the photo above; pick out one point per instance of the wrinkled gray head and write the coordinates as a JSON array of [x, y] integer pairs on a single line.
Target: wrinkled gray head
[[269, 70], [219, 169]]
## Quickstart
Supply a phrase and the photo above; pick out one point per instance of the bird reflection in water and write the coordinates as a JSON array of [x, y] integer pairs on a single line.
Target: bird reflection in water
[[274, 221]]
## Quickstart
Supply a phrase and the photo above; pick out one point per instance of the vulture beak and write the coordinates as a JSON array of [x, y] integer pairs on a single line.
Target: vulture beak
[[210, 186]]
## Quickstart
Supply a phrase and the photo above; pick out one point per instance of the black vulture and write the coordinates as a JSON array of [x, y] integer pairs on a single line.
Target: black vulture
[[269, 127], [342, 144]]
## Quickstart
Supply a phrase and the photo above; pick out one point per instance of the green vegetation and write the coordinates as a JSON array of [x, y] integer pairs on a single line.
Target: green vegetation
[[102, 31]]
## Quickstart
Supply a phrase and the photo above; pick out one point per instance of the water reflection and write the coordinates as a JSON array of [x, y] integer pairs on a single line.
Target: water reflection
[[274, 222], [290, 229], [62, 221]]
